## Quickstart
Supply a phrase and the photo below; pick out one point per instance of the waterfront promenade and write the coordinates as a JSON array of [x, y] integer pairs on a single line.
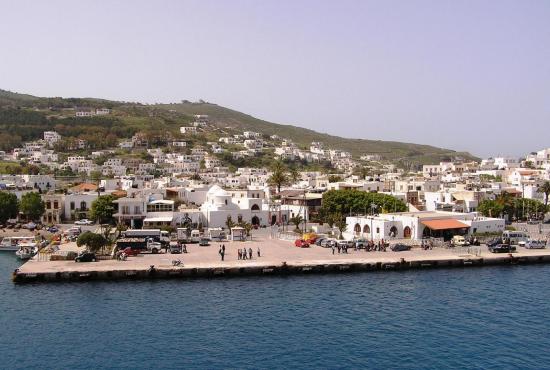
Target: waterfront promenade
[[275, 256]]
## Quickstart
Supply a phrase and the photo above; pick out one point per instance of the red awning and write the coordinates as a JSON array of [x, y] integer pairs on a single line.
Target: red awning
[[445, 224]]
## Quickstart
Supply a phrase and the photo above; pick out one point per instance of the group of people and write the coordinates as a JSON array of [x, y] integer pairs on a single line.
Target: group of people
[[369, 246], [379, 246], [242, 254], [426, 244]]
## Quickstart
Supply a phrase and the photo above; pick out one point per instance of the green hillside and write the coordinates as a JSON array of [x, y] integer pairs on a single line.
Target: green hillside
[[24, 117], [392, 150]]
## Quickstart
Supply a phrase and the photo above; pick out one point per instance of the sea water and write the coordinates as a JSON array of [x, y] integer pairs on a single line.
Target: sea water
[[478, 318]]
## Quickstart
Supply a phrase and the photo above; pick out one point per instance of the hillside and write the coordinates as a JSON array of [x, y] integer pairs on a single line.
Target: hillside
[[391, 150], [24, 117]]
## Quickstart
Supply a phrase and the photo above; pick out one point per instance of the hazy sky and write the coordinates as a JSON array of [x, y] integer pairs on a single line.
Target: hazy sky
[[467, 75]]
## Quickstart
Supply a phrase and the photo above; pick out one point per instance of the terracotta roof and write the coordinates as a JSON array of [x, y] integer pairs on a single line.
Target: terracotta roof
[[444, 224], [85, 187], [119, 193]]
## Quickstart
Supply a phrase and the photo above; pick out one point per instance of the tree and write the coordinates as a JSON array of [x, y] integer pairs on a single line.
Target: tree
[[103, 209], [229, 223], [32, 206], [247, 226], [340, 223], [297, 220], [335, 178], [545, 189], [9, 206], [93, 242], [294, 175], [278, 176], [354, 201], [490, 208]]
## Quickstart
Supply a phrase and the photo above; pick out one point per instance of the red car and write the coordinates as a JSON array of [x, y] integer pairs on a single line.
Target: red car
[[301, 243], [131, 252]]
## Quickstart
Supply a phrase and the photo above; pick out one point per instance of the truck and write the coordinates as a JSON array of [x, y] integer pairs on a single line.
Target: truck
[[142, 244], [182, 235], [157, 235]]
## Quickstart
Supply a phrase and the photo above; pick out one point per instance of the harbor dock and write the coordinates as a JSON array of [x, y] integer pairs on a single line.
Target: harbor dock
[[277, 257]]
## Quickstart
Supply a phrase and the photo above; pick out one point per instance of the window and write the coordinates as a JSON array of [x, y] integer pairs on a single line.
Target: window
[[378, 230], [72, 206], [48, 205], [55, 204], [83, 206]]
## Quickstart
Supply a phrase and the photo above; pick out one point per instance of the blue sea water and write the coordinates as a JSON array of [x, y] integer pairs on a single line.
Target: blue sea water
[[477, 318]]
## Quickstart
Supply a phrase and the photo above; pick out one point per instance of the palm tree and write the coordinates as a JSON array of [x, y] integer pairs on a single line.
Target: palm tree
[[297, 220], [247, 226], [545, 189], [229, 223], [278, 176], [294, 175]]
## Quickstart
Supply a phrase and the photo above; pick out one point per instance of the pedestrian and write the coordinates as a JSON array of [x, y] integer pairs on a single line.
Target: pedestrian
[[250, 252], [244, 253], [333, 249], [239, 254], [338, 246], [223, 255], [223, 248], [258, 252]]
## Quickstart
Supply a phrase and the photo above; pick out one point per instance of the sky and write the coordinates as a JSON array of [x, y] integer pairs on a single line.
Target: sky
[[465, 75]]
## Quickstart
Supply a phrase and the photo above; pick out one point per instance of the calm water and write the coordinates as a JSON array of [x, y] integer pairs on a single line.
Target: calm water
[[490, 318]]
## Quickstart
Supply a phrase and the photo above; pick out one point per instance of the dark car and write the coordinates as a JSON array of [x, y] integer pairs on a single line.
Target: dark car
[[175, 248], [493, 242], [502, 248], [361, 243], [400, 247], [85, 257], [319, 241], [204, 242]]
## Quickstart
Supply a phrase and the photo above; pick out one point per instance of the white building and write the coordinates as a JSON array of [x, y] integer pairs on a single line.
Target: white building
[[51, 137], [188, 130], [416, 225]]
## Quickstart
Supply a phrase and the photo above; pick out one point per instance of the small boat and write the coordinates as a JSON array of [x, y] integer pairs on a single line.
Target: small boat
[[26, 252], [16, 243]]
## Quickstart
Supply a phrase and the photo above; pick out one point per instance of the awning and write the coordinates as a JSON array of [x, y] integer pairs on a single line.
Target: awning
[[444, 224], [159, 219]]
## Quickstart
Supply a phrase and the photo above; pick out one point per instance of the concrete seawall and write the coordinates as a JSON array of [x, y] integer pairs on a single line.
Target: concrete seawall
[[89, 272]]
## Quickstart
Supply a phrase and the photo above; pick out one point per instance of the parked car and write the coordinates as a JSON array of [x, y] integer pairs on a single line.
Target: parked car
[[204, 242], [533, 222], [361, 243], [345, 243], [400, 247], [175, 248], [493, 242], [131, 251], [319, 241], [502, 248], [52, 229], [84, 221], [301, 243], [459, 241], [533, 244], [85, 257]]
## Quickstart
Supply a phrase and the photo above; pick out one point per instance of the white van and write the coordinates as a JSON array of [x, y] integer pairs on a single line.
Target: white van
[[515, 237]]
